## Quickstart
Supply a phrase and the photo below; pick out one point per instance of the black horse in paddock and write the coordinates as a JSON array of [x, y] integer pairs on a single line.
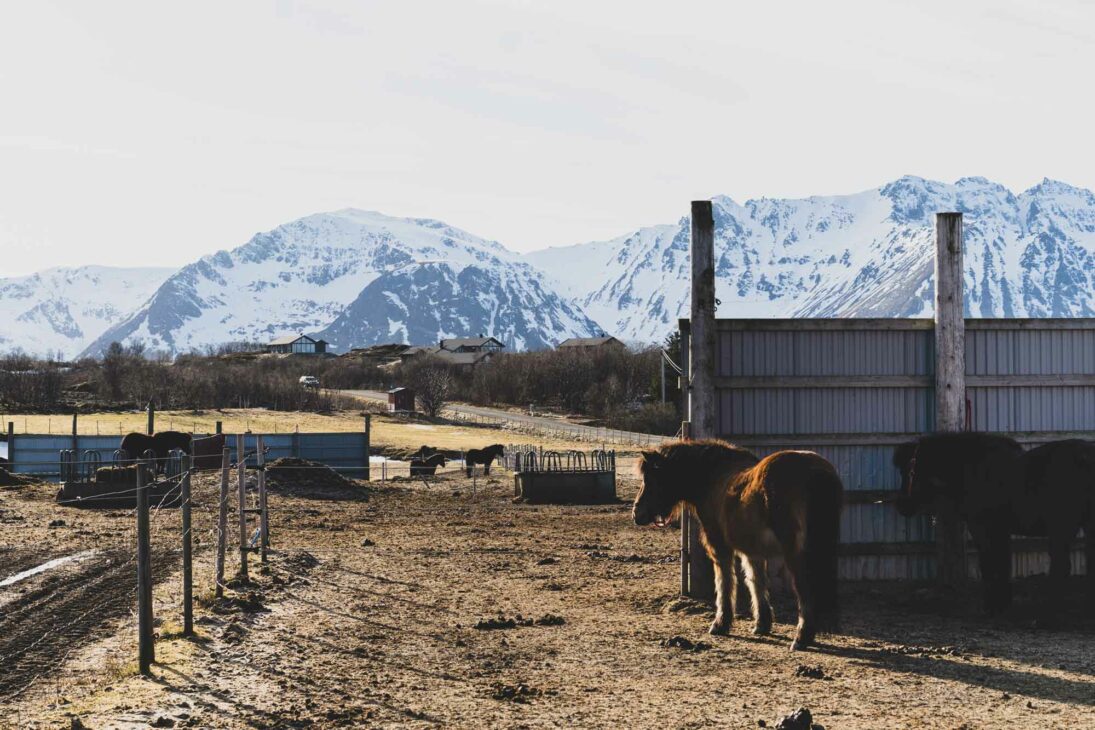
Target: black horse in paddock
[[998, 490], [427, 465], [161, 444], [484, 456]]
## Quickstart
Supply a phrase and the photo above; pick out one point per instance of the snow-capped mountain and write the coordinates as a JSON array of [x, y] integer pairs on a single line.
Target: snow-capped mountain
[[62, 310], [868, 254], [357, 278]]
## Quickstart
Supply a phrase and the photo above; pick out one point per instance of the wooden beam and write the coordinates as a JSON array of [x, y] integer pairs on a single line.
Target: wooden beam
[[703, 403], [950, 379], [742, 382], [1030, 381]]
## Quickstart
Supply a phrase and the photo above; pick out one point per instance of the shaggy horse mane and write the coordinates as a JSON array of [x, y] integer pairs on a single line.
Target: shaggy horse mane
[[695, 452]]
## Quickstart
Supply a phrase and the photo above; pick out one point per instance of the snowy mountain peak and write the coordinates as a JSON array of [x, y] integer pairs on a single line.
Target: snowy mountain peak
[[863, 254], [314, 273]]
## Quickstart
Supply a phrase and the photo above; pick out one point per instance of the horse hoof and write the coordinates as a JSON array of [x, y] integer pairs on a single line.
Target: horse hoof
[[762, 629], [719, 628], [799, 645]]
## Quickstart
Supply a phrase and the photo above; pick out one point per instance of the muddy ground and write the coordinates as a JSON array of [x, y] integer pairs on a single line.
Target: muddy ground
[[417, 604]]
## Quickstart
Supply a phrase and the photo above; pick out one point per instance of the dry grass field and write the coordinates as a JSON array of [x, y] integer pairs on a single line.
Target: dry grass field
[[387, 431], [414, 604]]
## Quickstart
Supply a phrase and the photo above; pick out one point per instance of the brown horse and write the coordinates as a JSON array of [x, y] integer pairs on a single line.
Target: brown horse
[[427, 465], [998, 490], [484, 456], [787, 504], [162, 443]]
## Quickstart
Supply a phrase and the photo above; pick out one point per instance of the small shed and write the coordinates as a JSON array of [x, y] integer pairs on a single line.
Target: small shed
[[401, 399]]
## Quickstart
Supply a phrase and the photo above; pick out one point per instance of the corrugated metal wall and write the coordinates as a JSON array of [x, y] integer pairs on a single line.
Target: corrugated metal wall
[[853, 389]]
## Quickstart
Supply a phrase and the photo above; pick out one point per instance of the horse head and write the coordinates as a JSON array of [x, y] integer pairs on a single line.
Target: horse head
[[659, 496], [921, 478]]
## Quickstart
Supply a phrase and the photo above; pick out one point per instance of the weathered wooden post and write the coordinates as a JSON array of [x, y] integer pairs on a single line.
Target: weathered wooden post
[[264, 520], [950, 379], [11, 446], [368, 439], [75, 438], [220, 428], [703, 408], [222, 522], [146, 652], [150, 427], [241, 461], [187, 551]]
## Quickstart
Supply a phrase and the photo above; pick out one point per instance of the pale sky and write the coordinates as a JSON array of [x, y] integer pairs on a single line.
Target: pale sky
[[148, 133]]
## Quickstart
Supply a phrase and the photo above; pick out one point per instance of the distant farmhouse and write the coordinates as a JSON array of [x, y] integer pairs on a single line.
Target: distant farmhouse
[[300, 344], [460, 351], [577, 343]]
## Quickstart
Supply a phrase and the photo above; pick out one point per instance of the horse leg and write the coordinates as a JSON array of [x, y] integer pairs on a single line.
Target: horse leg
[[800, 581], [987, 563], [469, 466], [1059, 568], [726, 591], [1089, 554], [756, 578], [486, 470]]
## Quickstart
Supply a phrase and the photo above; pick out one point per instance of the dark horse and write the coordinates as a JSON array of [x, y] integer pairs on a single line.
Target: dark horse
[[162, 443], [484, 456], [998, 490], [787, 504], [427, 465]]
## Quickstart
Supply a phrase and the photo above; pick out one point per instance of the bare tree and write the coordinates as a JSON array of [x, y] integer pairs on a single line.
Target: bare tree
[[432, 382]]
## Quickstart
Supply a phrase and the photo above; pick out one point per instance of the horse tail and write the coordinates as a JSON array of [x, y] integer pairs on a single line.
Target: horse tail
[[824, 501]]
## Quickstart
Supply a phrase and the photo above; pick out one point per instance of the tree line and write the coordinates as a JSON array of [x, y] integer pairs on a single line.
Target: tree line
[[615, 386]]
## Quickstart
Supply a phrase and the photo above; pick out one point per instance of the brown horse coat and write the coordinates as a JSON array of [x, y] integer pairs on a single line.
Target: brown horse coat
[[787, 504]]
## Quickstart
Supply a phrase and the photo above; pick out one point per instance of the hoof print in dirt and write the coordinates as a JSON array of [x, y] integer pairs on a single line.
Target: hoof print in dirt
[[367, 543], [679, 642], [514, 692], [815, 672], [56, 523], [547, 561], [800, 719]]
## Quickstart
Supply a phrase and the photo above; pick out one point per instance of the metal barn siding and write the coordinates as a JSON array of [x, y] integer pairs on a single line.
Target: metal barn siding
[[852, 390]]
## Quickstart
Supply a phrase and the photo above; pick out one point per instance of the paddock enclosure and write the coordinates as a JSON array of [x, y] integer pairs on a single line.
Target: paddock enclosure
[[348, 452], [853, 389]]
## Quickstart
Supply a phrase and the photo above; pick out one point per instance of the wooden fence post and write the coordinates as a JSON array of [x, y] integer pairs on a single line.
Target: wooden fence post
[[11, 445], [703, 409], [264, 521], [75, 438], [150, 428], [146, 653], [368, 438], [241, 461], [222, 522], [187, 551], [950, 379], [220, 428]]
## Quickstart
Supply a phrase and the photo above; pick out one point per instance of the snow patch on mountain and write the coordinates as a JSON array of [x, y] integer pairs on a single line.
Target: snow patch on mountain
[[61, 310]]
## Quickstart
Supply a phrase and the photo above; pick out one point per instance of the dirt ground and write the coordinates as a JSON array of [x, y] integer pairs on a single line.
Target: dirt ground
[[418, 604]]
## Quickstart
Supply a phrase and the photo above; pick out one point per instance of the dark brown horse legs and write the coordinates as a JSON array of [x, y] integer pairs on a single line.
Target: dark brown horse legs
[[1059, 568], [807, 625], [756, 578], [726, 593]]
